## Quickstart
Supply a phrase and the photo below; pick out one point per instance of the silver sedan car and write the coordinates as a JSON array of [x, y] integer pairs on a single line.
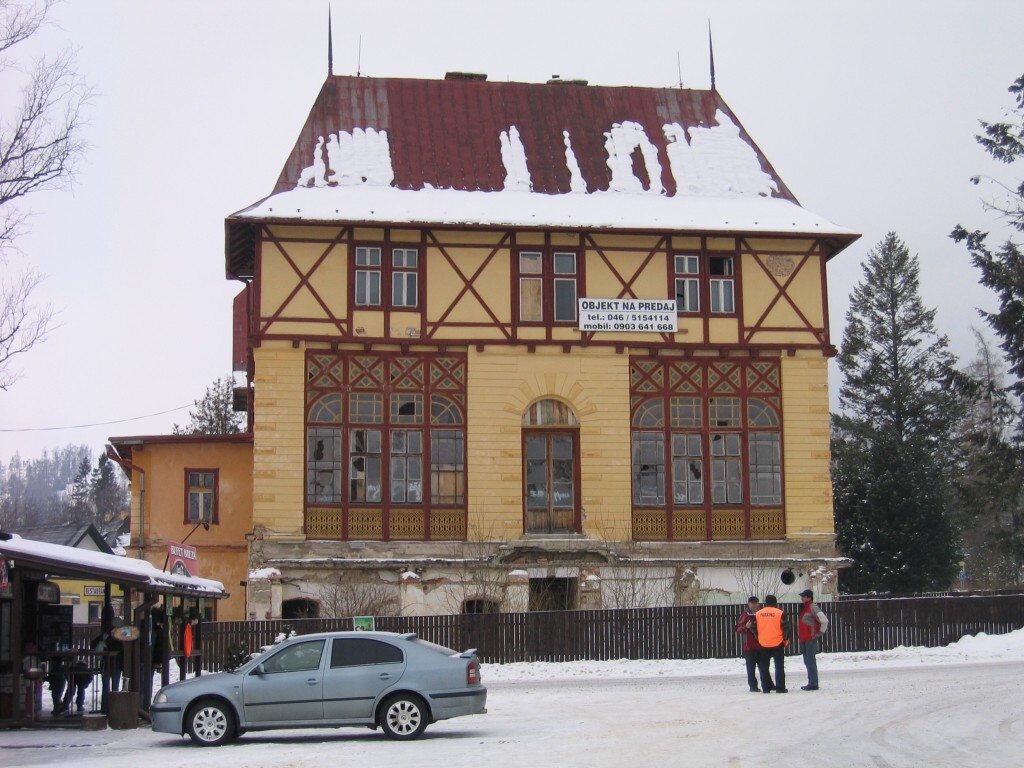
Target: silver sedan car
[[397, 682]]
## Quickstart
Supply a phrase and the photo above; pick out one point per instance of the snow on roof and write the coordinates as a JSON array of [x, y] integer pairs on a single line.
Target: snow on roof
[[393, 150], [62, 560], [598, 210]]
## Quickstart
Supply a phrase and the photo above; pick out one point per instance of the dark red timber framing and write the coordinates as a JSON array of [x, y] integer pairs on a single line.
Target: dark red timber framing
[[370, 413], [763, 259], [304, 282], [694, 423], [468, 287]]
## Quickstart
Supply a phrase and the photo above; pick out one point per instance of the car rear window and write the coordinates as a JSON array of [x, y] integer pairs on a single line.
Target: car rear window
[[433, 646], [359, 651]]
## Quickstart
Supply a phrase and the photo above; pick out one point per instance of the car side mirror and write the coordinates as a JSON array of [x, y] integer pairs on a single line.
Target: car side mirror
[[260, 669]]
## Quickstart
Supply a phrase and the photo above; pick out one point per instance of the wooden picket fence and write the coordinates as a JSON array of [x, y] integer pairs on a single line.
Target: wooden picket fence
[[686, 632]]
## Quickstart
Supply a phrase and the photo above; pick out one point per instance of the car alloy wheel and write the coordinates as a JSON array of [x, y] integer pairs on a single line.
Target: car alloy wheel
[[210, 723], [403, 717]]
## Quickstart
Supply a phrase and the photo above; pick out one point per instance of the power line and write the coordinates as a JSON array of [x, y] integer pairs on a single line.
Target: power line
[[98, 423]]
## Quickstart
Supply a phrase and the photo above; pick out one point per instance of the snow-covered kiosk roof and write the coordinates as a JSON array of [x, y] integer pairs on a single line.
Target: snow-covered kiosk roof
[[74, 562], [466, 152]]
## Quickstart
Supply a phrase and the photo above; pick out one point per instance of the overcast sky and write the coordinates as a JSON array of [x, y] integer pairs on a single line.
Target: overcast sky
[[867, 111]]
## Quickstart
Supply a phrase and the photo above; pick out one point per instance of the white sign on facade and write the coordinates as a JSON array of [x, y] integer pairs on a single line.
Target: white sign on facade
[[633, 315]]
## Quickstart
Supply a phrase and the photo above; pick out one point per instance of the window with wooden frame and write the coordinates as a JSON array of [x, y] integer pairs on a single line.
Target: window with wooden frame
[[704, 282], [386, 277], [323, 450], [551, 486], [386, 430], [548, 281], [706, 436], [201, 496]]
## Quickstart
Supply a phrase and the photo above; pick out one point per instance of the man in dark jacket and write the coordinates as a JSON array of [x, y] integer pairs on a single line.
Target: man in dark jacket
[[773, 635], [751, 648]]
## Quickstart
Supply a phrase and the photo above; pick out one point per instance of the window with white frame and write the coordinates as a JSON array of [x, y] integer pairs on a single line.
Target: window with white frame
[[404, 277], [201, 501], [548, 284], [721, 284], [687, 271], [565, 287], [368, 277], [704, 283]]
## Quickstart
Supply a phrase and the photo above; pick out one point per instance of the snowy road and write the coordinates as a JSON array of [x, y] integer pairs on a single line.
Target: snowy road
[[948, 715]]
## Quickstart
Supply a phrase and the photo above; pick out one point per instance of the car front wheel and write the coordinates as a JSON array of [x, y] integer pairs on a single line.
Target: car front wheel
[[210, 723], [403, 717]]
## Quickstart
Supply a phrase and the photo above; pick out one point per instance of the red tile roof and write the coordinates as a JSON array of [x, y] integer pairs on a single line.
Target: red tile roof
[[445, 133]]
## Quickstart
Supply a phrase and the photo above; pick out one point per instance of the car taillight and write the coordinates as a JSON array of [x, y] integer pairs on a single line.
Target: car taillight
[[472, 674]]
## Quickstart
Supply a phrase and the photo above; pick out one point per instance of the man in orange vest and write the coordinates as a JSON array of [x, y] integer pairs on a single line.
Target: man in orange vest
[[773, 635]]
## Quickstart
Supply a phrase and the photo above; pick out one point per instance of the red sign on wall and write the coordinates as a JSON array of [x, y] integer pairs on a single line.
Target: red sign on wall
[[182, 559]]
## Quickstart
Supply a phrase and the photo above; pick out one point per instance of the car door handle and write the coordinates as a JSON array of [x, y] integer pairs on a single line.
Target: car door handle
[[385, 675], [312, 681]]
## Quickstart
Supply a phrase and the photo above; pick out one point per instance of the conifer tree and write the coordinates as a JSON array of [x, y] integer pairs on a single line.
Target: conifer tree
[[990, 515], [81, 510], [1002, 268], [109, 496], [893, 447], [214, 414]]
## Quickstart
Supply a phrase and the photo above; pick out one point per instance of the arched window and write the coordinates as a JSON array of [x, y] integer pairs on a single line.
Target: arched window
[[706, 440], [551, 494], [481, 605], [323, 450], [300, 608], [386, 445]]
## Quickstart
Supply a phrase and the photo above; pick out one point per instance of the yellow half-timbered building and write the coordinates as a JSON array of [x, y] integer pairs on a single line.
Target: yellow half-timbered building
[[517, 346]]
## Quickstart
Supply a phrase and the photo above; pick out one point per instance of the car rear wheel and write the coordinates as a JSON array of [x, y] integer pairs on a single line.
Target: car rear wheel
[[210, 723], [403, 717]]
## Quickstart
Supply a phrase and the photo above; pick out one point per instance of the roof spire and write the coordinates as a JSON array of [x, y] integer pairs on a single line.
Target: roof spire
[[330, 44], [711, 50]]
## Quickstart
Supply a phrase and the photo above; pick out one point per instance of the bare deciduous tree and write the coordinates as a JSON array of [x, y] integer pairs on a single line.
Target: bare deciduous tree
[[40, 144], [636, 582], [477, 579], [22, 325], [343, 595], [760, 576]]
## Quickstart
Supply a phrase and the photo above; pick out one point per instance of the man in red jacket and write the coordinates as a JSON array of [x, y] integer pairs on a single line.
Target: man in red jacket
[[813, 623], [751, 648]]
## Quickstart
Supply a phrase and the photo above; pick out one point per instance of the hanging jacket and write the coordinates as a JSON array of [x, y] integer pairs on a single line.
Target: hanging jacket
[[745, 627], [813, 622], [771, 632]]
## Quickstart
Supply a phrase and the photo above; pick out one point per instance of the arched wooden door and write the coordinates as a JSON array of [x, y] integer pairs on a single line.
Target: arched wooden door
[[551, 488]]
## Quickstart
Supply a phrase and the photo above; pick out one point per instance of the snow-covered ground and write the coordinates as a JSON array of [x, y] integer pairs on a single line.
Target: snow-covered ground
[[954, 706]]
